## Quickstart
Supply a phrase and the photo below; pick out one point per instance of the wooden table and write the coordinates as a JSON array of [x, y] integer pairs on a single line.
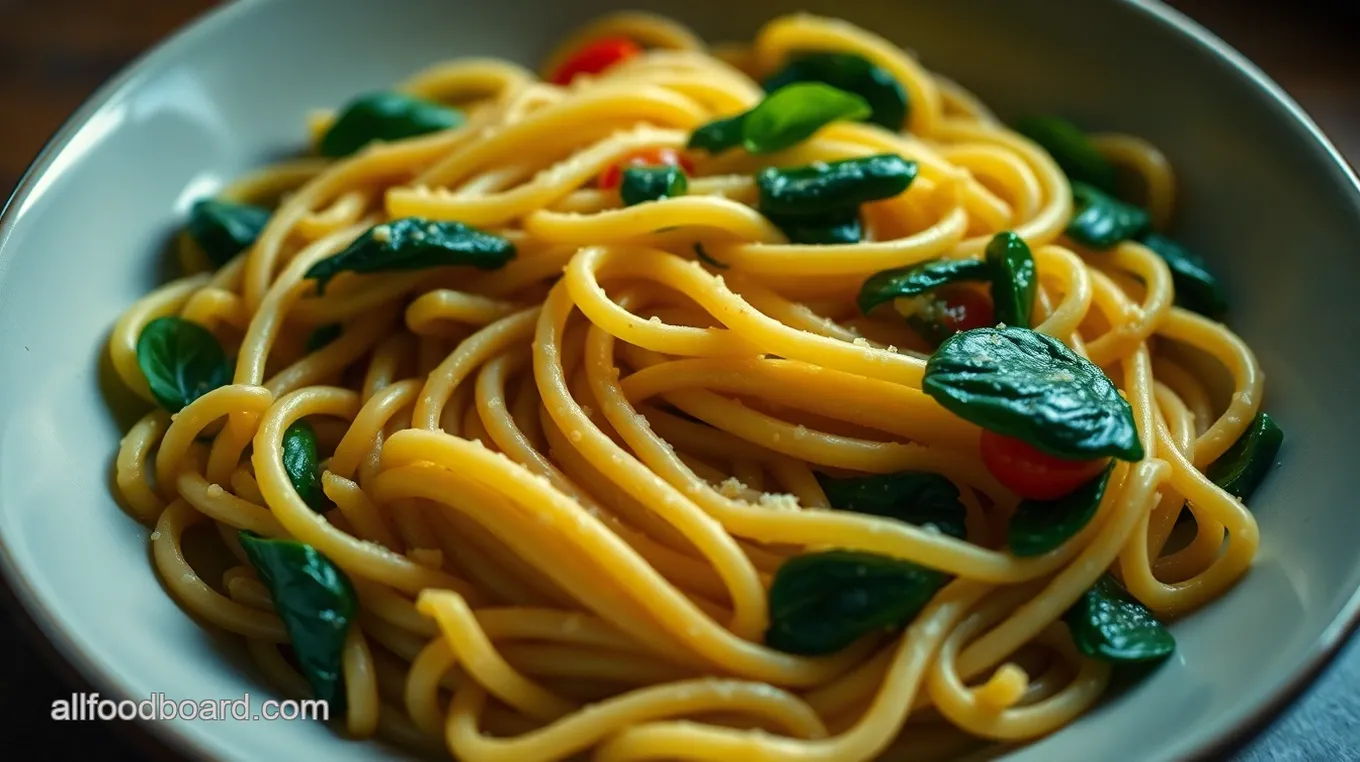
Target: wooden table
[[54, 53]]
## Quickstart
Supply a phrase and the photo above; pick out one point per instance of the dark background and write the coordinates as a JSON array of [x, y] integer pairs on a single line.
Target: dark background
[[55, 53]]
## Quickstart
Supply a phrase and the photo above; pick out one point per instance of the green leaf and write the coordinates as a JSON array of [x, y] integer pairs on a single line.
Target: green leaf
[[1038, 526], [1197, 289], [385, 116], [317, 604], [412, 243], [1101, 220], [1242, 468], [1071, 149], [182, 361], [824, 187], [1108, 624], [1014, 279], [322, 336], [824, 230], [916, 497], [918, 279], [795, 112], [223, 229], [1030, 386], [719, 135], [822, 602], [640, 184], [302, 464], [706, 259], [853, 74]]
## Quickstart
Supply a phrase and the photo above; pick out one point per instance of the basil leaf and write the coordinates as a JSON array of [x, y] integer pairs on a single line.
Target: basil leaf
[[1108, 624], [385, 116], [853, 74], [322, 336], [824, 230], [795, 112], [302, 464], [822, 602], [413, 243], [706, 259], [823, 187], [182, 361], [1101, 220], [719, 135], [1038, 526], [1014, 280], [916, 497], [317, 604], [1197, 289], [917, 279], [223, 229], [1242, 468], [1030, 386], [1071, 149], [641, 184]]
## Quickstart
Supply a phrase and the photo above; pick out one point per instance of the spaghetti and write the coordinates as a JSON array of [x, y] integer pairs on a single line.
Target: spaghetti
[[519, 410]]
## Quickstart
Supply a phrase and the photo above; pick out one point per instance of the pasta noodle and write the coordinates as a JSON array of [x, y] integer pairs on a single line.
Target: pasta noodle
[[563, 488]]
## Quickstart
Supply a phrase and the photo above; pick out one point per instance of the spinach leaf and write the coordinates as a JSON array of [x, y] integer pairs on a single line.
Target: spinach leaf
[[1197, 289], [706, 259], [223, 229], [719, 135], [916, 497], [302, 464], [1071, 149], [822, 602], [917, 279], [1030, 386], [182, 361], [1038, 526], [1242, 468], [824, 229], [385, 116], [412, 243], [641, 184], [1102, 220], [823, 187], [322, 336], [853, 74], [1108, 624], [317, 604], [1014, 280], [793, 113]]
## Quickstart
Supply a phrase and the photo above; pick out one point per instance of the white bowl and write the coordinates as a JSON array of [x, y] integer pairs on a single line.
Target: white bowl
[[1264, 197]]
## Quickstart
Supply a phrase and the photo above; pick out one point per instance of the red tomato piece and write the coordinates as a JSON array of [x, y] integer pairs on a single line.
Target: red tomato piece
[[595, 58], [647, 157], [1032, 473], [963, 309]]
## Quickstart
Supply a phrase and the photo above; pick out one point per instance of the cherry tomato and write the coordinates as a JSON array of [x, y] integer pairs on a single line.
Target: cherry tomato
[[1032, 473], [647, 157], [963, 309], [595, 58]]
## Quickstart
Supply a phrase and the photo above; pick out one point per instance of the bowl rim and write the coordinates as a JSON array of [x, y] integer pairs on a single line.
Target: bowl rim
[[42, 628]]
